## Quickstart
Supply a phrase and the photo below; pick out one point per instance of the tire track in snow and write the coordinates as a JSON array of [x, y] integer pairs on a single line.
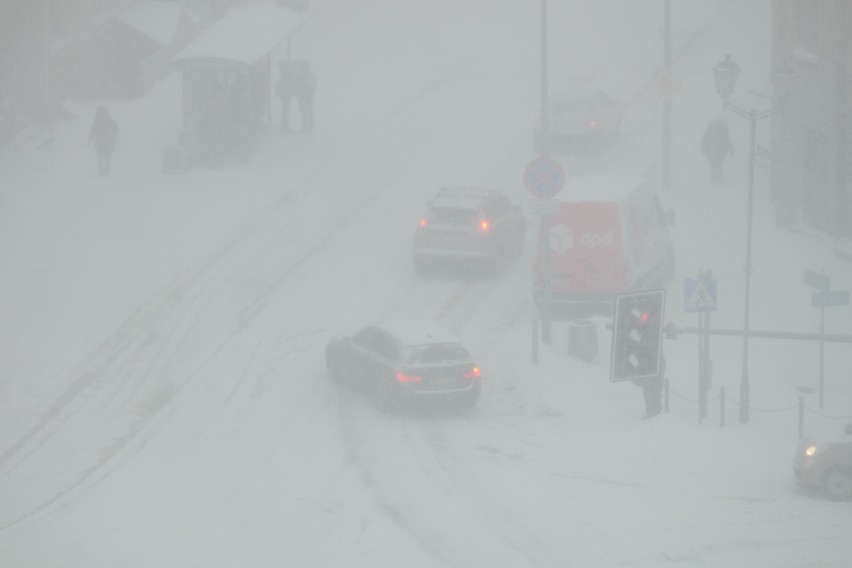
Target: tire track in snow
[[120, 353], [526, 542], [419, 530]]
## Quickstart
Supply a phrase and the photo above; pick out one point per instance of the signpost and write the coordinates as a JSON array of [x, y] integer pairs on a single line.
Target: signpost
[[544, 178], [823, 299], [541, 207], [699, 295]]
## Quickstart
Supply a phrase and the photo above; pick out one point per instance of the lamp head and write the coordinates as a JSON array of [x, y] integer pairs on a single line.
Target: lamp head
[[726, 74]]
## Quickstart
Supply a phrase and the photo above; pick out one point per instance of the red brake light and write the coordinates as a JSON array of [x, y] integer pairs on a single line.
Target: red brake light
[[472, 374], [423, 222], [408, 379]]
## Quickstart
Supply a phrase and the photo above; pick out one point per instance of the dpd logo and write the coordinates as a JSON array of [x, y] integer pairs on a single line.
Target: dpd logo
[[592, 241], [561, 238]]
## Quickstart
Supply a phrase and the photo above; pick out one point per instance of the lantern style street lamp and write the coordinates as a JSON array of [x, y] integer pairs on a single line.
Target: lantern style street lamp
[[725, 74]]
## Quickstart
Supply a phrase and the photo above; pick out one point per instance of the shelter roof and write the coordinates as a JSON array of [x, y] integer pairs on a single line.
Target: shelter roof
[[244, 35], [155, 19]]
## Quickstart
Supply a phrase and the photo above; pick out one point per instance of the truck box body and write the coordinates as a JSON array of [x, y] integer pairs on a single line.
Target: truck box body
[[608, 237]]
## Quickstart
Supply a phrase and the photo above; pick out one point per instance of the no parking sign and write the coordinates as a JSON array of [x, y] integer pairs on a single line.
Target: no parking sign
[[544, 177]]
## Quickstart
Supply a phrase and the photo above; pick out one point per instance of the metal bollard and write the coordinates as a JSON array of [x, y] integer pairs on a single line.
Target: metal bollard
[[546, 330]]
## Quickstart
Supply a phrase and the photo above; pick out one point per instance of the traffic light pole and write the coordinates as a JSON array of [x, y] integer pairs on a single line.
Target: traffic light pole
[[667, 107], [828, 337], [703, 364], [546, 315]]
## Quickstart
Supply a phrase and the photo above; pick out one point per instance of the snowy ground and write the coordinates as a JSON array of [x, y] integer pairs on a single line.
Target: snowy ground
[[163, 400]]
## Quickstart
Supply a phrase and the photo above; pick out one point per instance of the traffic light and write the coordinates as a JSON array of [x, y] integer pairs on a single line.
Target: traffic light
[[637, 335]]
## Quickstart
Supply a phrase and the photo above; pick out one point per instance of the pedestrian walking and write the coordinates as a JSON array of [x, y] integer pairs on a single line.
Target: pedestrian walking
[[716, 147], [104, 134]]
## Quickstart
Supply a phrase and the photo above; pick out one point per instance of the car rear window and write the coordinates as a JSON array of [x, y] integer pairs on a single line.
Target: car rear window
[[453, 216], [437, 353], [572, 105]]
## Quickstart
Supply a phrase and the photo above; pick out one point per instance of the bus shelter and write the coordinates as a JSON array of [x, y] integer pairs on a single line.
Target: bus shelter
[[227, 76]]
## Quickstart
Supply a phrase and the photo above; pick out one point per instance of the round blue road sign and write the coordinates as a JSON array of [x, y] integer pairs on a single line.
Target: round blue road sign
[[544, 177]]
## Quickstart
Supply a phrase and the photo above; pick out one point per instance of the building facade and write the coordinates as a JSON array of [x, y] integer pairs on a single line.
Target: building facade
[[811, 167]]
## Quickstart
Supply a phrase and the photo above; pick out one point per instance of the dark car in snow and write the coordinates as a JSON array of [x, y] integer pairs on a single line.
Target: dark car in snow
[[406, 362], [826, 465], [464, 225], [578, 123]]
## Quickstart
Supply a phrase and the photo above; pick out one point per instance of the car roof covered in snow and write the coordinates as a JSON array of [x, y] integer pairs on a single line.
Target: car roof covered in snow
[[418, 332], [461, 197], [600, 188]]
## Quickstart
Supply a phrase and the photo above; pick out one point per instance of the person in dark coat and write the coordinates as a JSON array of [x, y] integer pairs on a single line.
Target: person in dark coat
[[716, 146], [306, 86], [104, 134], [652, 391], [286, 89]]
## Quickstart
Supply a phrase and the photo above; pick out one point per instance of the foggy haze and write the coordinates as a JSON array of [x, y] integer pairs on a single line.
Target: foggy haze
[[164, 398]]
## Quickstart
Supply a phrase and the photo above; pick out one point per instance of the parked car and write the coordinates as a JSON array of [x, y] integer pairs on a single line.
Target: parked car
[[609, 236], [826, 465], [463, 224], [579, 123], [406, 362]]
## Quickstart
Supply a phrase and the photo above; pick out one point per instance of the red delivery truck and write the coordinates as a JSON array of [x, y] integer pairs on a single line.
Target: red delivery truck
[[609, 236]]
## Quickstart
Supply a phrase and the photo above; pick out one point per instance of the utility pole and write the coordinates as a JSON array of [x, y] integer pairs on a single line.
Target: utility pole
[[667, 105], [544, 105]]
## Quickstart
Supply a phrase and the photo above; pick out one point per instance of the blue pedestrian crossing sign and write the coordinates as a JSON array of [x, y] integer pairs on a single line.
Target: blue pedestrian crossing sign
[[699, 295]]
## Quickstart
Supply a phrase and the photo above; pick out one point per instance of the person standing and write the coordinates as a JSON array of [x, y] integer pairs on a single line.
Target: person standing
[[716, 146], [286, 88], [104, 134], [307, 85], [652, 391]]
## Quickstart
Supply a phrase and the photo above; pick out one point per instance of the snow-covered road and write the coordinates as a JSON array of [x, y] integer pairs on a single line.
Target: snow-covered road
[[164, 394]]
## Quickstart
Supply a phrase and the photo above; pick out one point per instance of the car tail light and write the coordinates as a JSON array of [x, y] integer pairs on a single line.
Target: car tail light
[[423, 222], [593, 123], [472, 374], [484, 225], [403, 378]]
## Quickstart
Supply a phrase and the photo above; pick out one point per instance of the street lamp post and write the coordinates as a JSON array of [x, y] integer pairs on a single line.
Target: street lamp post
[[725, 75], [546, 323]]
